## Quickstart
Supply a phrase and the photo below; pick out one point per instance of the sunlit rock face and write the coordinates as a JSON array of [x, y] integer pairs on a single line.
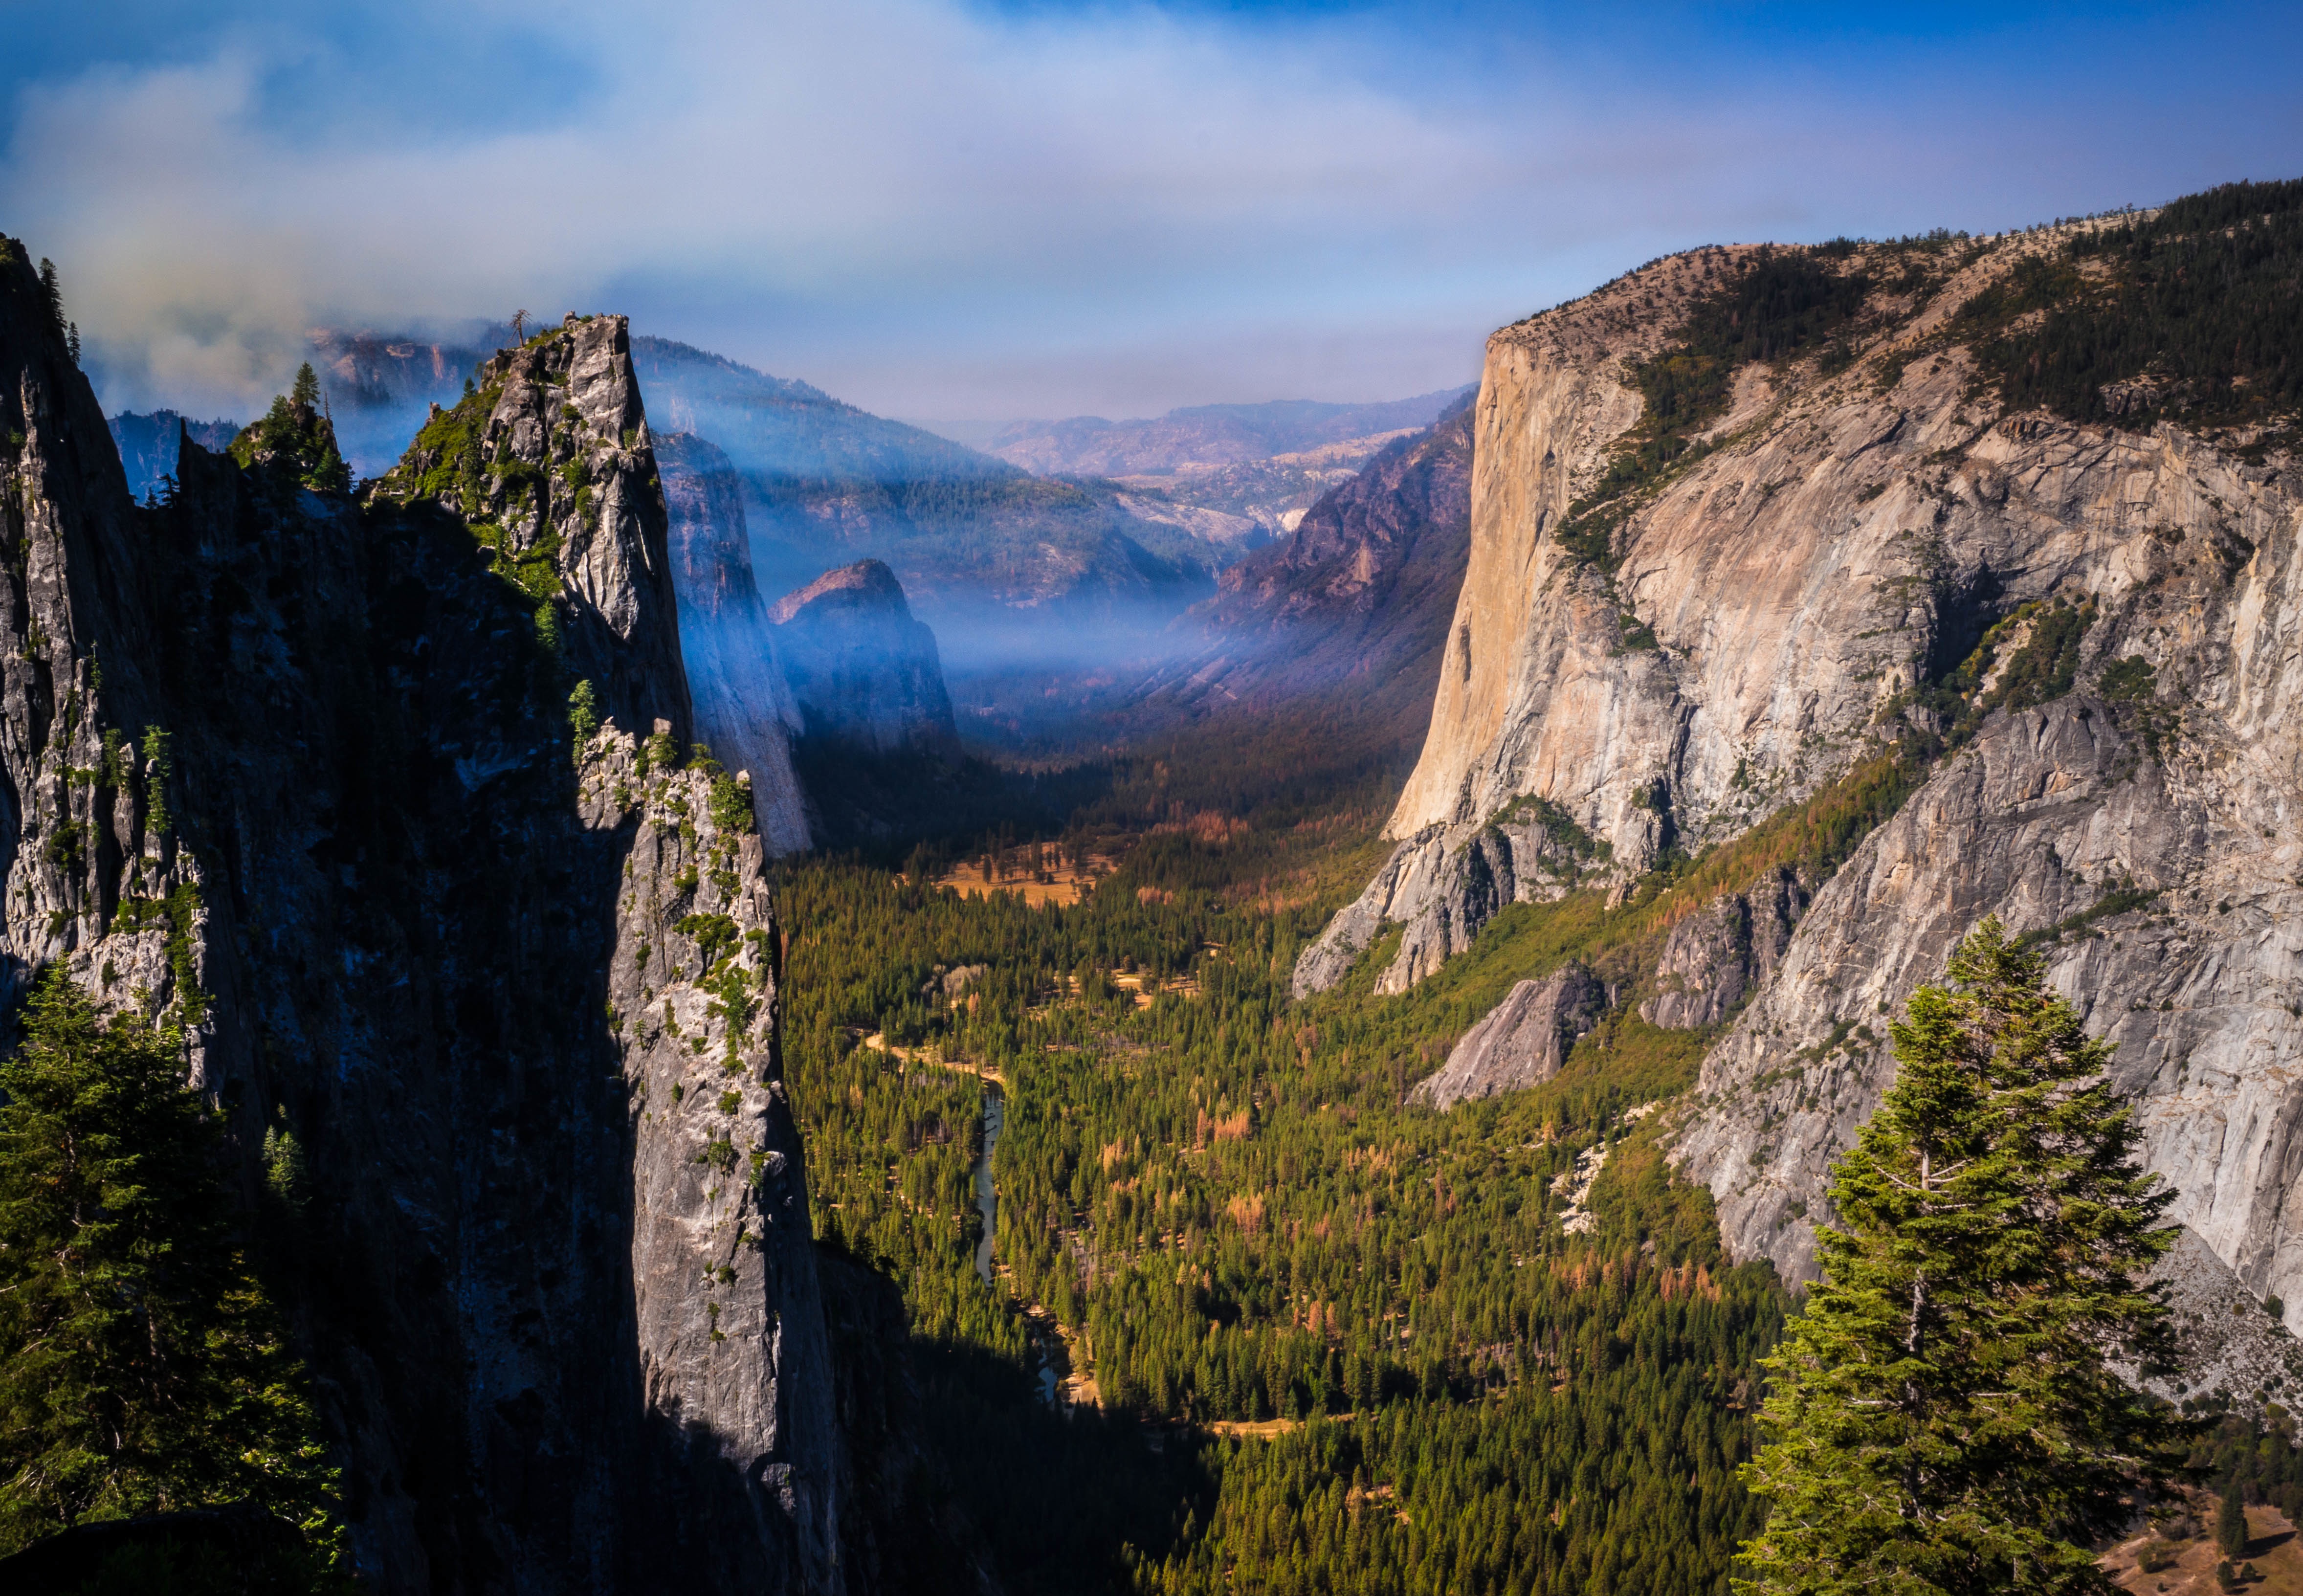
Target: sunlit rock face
[[863, 671], [1522, 1043], [306, 773], [1770, 614]]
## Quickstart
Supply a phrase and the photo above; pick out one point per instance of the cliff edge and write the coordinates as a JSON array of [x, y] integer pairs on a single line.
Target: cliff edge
[[1786, 555], [390, 806]]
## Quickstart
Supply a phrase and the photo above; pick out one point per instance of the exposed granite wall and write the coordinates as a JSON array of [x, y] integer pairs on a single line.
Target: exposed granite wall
[[359, 864], [1845, 544]]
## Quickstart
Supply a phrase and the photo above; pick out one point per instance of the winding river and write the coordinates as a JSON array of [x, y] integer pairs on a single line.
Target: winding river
[[987, 1201], [987, 1204]]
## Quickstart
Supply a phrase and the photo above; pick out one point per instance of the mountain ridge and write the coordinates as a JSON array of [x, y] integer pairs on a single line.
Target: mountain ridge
[[420, 911], [1858, 574]]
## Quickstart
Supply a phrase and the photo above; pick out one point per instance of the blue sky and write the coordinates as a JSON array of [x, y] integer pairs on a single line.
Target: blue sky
[[939, 208]]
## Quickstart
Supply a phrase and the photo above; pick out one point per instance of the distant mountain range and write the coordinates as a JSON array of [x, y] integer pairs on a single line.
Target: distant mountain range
[[1207, 434], [1327, 641], [1069, 547], [1249, 471]]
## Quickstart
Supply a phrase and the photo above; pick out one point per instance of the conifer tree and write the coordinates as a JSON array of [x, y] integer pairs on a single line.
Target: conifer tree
[[52, 292], [141, 1367], [1945, 1415], [2230, 1521]]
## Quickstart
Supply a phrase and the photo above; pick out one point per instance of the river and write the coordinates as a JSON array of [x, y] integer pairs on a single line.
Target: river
[[987, 1201], [987, 1204]]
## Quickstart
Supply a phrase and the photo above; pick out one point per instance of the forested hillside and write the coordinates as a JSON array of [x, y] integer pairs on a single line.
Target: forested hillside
[[1317, 1339]]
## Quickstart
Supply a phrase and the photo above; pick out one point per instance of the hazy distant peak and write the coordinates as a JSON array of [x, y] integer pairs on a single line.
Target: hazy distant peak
[[1311, 412], [671, 351], [866, 585], [1209, 434], [779, 428]]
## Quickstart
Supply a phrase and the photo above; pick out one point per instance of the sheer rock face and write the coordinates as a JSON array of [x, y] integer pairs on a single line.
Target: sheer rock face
[[1712, 958], [734, 1367], [1849, 540], [1522, 1043], [553, 462], [361, 868], [865, 672], [743, 708]]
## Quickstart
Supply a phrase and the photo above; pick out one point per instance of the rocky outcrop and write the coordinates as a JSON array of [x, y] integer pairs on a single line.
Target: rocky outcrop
[[863, 673], [1441, 890], [399, 903], [1522, 1042], [735, 1370], [1818, 579], [743, 708], [552, 464], [1711, 958]]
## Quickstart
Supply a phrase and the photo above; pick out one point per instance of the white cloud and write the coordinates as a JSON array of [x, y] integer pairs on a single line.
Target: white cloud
[[819, 157], [936, 211]]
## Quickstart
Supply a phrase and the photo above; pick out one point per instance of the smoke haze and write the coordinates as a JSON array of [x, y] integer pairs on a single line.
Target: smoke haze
[[937, 208]]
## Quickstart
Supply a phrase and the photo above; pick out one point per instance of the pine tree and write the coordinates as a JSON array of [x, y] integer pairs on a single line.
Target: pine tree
[[329, 473], [141, 1367], [305, 395], [52, 293], [2230, 1523], [1945, 1413]]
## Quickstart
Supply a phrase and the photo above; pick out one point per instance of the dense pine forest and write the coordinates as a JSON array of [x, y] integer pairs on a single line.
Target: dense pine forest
[[1312, 1336]]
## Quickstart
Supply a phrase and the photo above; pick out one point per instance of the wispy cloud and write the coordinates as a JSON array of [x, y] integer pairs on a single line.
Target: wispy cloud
[[935, 209]]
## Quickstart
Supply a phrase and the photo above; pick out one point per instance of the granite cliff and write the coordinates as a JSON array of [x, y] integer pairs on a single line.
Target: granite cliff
[[1800, 562], [864, 672], [393, 805], [743, 707]]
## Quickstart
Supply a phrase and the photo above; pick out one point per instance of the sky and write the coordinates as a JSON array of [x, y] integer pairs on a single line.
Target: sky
[[966, 210]]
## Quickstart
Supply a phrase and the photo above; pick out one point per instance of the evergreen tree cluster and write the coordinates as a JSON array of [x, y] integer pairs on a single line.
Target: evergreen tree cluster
[[52, 294], [143, 1368], [1366, 1352], [297, 435], [2201, 302]]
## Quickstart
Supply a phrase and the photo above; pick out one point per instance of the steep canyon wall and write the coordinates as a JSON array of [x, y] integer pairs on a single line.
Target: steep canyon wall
[[315, 777], [1794, 602]]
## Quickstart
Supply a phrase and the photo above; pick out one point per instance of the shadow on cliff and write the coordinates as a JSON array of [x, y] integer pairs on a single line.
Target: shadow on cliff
[[881, 806], [963, 1478]]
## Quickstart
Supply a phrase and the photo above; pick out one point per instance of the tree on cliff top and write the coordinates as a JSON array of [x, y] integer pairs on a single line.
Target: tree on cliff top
[[141, 1367], [1945, 1416], [296, 434]]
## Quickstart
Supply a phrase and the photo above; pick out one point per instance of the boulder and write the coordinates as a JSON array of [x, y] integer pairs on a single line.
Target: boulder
[[1522, 1043]]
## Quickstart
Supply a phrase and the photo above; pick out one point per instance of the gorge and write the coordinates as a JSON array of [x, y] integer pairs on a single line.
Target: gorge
[[1346, 1096]]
